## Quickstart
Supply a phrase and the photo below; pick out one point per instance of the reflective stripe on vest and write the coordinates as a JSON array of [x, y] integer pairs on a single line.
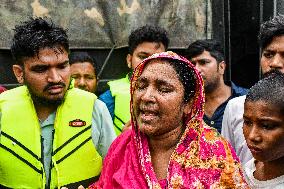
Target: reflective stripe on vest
[[120, 90], [21, 150]]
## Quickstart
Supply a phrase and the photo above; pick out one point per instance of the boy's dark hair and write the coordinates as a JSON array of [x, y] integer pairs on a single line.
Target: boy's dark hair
[[35, 34], [79, 57], [270, 29], [198, 47], [147, 33], [270, 90]]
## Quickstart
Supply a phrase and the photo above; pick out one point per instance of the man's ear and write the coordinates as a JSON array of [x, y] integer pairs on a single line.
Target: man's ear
[[222, 67], [19, 73], [129, 60]]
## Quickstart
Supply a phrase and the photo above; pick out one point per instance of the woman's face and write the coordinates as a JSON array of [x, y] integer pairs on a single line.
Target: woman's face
[[158, 99], [264, 130]]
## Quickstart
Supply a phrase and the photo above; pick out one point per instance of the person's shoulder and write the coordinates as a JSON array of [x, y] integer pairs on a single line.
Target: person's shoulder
[[17, 92], [2, 89], [238, 90], [240, 100], [105, 94], [99, 104]]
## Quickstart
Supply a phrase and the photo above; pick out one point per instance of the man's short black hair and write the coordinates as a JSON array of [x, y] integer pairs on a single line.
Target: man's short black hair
[[269, 90], [147, 33], [36, 34], [79, 57], [198, 47], [270, 29]]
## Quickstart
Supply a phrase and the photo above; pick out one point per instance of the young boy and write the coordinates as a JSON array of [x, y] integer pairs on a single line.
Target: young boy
[[264, 132]]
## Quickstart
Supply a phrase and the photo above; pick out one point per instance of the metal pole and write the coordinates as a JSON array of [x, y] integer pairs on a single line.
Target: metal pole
[[106, 61]]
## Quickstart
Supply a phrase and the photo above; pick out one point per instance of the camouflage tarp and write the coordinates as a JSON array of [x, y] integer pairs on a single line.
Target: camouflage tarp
[[103, 23]]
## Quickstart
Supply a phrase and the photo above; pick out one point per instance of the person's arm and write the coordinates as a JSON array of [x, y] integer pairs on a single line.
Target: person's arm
[[108, 99], [227, 124], [102, 128]]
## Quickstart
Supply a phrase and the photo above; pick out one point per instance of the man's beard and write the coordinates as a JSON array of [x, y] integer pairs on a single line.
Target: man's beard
[[270, 72], [43, 100], [211, 86]]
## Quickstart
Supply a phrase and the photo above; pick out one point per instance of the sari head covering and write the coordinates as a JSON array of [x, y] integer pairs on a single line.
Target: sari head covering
[[201, 159]]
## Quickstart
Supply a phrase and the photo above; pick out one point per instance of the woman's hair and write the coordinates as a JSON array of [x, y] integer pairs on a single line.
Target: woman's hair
[[35, 34], [186, 76], [269, 90]]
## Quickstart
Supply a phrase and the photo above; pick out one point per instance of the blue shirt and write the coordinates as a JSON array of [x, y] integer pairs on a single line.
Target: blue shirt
[[108, 99], [217, 118]]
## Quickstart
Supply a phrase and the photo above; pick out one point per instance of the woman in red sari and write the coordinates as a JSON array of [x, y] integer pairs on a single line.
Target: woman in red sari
[[169, 146]]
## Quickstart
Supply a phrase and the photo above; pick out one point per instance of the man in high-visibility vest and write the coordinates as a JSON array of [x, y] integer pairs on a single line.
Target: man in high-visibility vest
[[83, 71], [142, 42], [52, 134]]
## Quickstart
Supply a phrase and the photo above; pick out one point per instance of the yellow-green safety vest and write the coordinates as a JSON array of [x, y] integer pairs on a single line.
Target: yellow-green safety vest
[[74, 157], [120, 90]]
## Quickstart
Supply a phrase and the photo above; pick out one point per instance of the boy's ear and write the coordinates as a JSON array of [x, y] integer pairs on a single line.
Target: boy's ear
[[129, 60], [19, 73]]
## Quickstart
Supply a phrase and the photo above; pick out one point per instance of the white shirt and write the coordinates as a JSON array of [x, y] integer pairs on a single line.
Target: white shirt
[[276, 183], [232, 128]]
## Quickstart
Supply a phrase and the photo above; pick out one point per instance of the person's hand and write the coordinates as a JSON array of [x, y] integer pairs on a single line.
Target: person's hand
[[127, 126], [80, 187]]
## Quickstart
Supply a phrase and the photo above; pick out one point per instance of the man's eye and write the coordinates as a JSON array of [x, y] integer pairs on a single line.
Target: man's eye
[[202, 62], [39, 69], [90, 77], [268, 55], [142, 57], [75, 76]]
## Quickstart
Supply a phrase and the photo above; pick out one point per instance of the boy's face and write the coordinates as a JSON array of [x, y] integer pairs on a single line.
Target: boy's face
[[264, 130], [142, 51]]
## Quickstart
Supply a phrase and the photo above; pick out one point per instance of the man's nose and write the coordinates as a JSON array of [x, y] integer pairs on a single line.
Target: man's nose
[[53, 76], [277, 62], [81, 82]]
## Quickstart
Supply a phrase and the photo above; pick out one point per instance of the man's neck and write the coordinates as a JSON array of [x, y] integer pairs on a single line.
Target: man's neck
[[215, 98], [44, 111]]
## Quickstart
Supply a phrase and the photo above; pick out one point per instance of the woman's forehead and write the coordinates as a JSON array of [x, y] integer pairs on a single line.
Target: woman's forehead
[[159, 68]]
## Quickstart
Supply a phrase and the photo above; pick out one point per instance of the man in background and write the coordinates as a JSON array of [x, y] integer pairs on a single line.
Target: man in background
[[271, 41], [142, 42], [83, 70], [207, 56]]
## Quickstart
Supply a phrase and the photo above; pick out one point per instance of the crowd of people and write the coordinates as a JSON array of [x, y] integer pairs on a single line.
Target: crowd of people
[[171, 122]]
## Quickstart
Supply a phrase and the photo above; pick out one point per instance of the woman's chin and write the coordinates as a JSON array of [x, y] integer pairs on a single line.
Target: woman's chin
[[147, 129]]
